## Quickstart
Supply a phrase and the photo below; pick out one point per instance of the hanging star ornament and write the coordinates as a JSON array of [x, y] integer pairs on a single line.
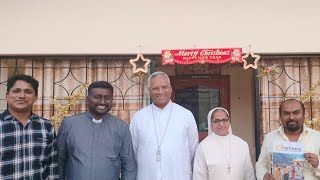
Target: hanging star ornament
[[139, 71], [255, 63]]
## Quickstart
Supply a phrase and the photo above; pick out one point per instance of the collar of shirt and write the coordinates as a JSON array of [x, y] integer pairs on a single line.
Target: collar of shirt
[[102, 119], [97, 121], [6, 116], [167, 107], [304, 133]]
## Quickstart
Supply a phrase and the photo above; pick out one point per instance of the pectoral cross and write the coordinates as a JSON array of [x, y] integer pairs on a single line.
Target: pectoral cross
[[158, 155], [229, 168]]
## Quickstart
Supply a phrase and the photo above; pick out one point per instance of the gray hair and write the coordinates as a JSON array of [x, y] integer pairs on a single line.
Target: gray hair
[[156, 74]]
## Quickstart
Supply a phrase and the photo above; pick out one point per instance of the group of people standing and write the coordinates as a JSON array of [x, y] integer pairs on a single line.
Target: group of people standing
[[161, 142]]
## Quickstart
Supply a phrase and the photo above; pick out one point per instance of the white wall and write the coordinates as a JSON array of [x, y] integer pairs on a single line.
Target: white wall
[[119, 27]]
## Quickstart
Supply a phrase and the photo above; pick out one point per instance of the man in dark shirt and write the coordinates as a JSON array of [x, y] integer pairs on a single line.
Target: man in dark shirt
[[96, 145], [27, 141]]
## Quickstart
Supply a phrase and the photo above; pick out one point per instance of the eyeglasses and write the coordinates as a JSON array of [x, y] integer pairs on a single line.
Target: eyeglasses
[[219, 121]]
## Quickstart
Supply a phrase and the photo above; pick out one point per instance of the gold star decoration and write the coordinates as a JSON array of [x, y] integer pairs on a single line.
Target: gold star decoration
[[311, 93], [63, 109], [139, 71], [255, 63]]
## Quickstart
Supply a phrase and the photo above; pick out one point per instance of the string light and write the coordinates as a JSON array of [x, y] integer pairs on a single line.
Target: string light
[[313, 123], [62, 110]]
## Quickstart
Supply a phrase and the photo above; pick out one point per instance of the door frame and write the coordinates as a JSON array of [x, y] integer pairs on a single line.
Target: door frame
[[217, 82]]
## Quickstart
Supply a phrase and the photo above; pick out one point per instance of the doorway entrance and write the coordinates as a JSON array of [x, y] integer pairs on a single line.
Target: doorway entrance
[[200, 94]]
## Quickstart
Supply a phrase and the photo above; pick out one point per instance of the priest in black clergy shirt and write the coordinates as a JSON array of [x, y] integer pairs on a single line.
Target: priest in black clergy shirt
[[96, 145]]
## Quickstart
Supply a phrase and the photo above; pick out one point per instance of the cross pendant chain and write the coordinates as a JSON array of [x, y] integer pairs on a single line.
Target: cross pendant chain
[[158, 155], [229, 168]]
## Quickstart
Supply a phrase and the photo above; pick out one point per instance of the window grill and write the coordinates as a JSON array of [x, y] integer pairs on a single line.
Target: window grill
[[63, 76], [296, 77]]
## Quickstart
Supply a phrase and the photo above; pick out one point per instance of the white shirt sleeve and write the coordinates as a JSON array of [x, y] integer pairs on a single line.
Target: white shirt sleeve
[[193, 137], [263, 164], [200, 168], [249, 171], [133, 131]]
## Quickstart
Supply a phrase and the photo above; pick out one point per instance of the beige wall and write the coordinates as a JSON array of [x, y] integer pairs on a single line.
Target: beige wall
[[242, 111], [119, 27]]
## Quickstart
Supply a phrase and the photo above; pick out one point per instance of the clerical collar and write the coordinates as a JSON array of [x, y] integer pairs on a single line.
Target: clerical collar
[[168, 106], [96, 121]]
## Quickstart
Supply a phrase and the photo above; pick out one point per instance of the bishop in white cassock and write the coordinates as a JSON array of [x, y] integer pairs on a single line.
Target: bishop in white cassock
[[164, 135], [222, 155]]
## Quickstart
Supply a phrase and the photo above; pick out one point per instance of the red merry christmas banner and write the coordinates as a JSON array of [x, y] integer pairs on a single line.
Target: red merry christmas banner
[[192, 56]]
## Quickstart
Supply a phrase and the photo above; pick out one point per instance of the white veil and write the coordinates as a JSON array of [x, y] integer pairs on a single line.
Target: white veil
[[209, 119]]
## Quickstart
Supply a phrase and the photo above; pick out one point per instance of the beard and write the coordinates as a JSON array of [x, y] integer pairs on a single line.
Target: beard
[[292, 127]]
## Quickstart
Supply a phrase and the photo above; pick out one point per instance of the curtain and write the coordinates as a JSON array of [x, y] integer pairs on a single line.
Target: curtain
[[296, 78], [62, 79]]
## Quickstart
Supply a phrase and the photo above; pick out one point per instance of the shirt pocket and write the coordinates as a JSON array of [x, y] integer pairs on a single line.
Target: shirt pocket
[[43, 139], [41, 143]]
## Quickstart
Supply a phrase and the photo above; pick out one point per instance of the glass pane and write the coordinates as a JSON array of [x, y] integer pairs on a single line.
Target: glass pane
[[199, 100]]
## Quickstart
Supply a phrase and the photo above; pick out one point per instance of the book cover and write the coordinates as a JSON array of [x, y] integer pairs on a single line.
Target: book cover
[[287, 161]]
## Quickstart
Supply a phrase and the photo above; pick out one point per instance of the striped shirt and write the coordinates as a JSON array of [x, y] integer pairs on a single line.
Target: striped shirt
[[27, 152]]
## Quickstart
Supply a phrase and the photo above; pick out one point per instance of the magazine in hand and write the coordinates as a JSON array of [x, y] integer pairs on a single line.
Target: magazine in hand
[[287, 161]]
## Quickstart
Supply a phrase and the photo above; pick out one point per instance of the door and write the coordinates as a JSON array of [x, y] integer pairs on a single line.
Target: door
[[200, 95]]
